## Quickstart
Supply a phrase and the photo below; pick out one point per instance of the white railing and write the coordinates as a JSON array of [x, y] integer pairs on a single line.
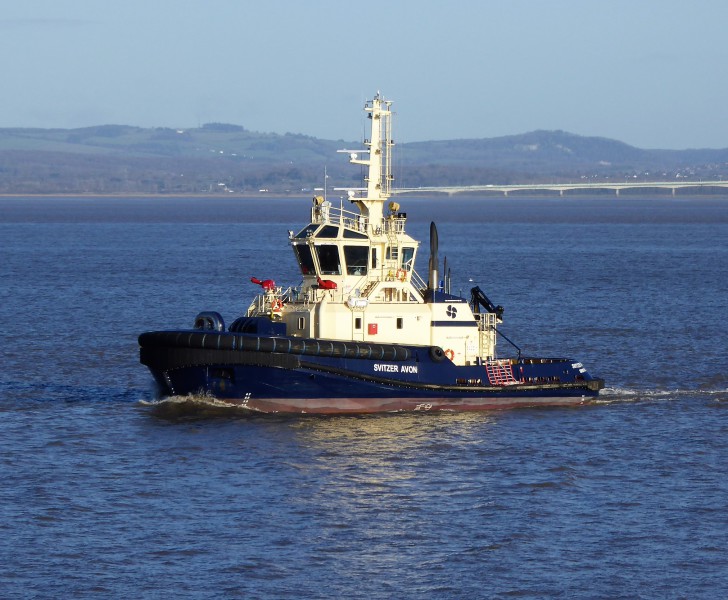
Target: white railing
[[263, 303], [393, 225], [486, 321], [417, 281], [337, 215]]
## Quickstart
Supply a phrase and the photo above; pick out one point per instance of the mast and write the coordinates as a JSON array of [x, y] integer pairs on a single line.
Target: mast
[[379, 164]]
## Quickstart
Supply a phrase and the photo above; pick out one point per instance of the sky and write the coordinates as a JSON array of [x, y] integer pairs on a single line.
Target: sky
[[651, 73]]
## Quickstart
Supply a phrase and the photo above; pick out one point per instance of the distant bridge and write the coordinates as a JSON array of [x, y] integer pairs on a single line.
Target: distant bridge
[[564, 187]]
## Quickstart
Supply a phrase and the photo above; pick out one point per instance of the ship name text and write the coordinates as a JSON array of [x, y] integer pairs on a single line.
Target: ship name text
[[395, 368]]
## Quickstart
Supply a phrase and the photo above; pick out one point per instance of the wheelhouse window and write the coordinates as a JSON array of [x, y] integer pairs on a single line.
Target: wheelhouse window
[[356, 259], [408, 258], [328, 257], [306, 231], [305, 258], [328, 231]]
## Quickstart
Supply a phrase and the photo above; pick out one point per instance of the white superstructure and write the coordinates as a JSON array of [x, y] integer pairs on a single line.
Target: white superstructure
[[359, 281]]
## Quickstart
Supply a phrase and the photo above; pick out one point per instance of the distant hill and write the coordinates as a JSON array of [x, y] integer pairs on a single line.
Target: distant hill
[[224, 158]]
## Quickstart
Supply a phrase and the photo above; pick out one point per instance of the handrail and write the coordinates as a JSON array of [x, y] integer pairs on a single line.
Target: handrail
[[419, 283], [335, 214]]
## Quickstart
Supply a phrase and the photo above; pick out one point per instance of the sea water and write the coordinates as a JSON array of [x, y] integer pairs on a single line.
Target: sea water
[[106, 491]]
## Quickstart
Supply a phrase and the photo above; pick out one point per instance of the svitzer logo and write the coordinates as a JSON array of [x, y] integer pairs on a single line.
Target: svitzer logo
[[451, 311]]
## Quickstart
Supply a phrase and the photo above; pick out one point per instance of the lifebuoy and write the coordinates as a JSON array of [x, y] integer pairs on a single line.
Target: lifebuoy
[[401, 274], [276, 306], [449, 353]]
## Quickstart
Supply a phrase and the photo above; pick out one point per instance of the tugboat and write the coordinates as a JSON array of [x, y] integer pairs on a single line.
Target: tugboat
[[363, 332]]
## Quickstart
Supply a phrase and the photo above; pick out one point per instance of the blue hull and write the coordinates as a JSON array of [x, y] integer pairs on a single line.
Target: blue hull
[[282, 374]]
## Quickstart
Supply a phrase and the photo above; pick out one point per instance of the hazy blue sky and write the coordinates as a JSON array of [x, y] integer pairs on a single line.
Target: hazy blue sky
[[651, 73]]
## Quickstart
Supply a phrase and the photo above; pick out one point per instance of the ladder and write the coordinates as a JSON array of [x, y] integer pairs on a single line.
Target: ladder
[[393, 244], [369, 287]]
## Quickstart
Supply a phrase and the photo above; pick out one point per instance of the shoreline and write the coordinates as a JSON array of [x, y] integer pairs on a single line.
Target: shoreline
[[148, 195], [299, 196]]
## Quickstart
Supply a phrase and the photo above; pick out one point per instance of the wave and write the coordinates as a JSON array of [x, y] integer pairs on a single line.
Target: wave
[[205, 406], [194, 407], [618, 394]]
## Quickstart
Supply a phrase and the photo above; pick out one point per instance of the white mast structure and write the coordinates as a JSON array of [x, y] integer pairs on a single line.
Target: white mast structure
[[379, 164]]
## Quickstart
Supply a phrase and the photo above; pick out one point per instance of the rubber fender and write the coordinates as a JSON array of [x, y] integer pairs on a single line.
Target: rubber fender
[[210, 320], [210, 340], [437, 354]]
